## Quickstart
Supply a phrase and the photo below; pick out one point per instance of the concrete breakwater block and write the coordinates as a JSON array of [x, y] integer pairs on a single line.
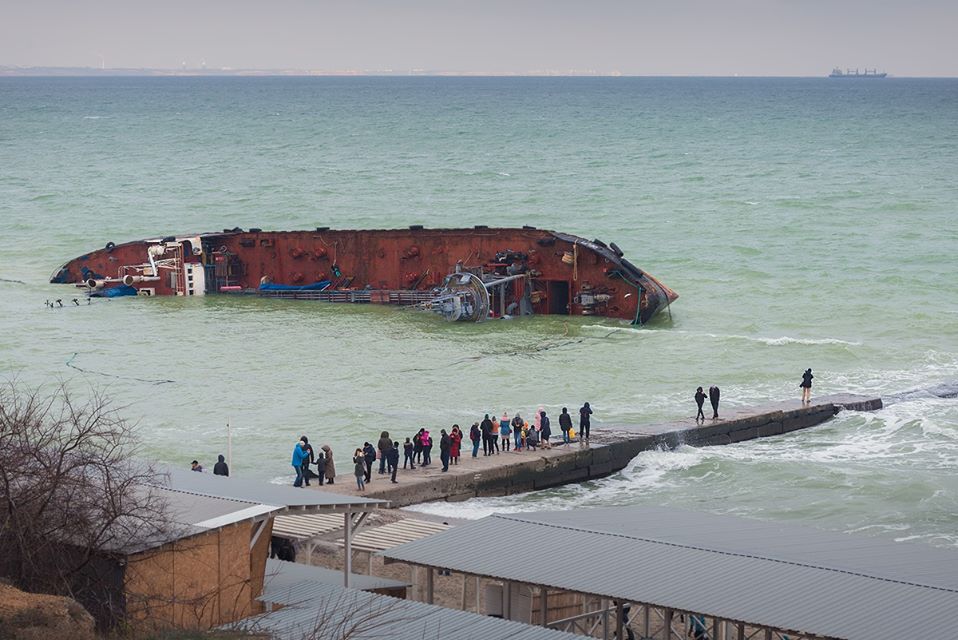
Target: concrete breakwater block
[[610, 450]]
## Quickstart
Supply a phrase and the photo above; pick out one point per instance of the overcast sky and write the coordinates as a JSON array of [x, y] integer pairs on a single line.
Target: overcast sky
[[639, 37]]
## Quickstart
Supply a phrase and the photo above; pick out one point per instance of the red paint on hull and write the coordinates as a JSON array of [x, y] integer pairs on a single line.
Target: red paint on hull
[[568, 275]]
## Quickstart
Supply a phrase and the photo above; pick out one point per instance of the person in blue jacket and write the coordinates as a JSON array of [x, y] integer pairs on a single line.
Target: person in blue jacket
[[299, 456]]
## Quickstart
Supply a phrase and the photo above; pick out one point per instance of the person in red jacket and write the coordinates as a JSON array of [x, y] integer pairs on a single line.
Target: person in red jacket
[[456, 438]]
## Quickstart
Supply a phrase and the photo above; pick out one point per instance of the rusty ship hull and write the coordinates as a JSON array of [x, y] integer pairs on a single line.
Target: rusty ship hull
[[523, 271]]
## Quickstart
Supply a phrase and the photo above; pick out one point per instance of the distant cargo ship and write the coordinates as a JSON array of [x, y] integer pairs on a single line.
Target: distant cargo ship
[[848, 73]]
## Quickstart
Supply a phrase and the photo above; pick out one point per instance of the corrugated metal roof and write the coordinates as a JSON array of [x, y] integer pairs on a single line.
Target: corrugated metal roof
[[335, 613], [234, 488], [778, 576], [294, 583]]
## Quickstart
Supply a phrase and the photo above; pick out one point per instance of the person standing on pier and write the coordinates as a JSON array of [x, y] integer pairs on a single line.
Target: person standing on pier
[[545, 429], [485, 427], [445, 445], [408, 454], [385, 444], [417, 446], [330, 465], [426, 448], [369, 453], [494, 435], [299, 454], [475, 435], [714, 395], [359, 468], [807, 386], [565, 423], [310, 458], [517, 424], [505, 432], [455, 436], [585, 421], [321, 465], [221, 468], [699, 400], [392, 459]]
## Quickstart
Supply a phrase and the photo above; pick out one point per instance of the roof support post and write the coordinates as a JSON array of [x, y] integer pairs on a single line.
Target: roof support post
[[430, 584], [741, 631], [543, 606], [604, 604], [477, 594], [347, 547], [646, 622], [619, 614], [715, 627], [667, 620], [507, 600]]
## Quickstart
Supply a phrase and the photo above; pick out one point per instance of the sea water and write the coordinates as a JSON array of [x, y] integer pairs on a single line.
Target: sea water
[[804, 223]]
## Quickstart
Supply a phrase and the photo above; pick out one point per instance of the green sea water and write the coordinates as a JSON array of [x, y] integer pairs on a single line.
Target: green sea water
[[804, 223]]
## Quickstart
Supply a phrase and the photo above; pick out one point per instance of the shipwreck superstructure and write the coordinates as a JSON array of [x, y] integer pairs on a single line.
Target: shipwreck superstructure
[[461, 274]]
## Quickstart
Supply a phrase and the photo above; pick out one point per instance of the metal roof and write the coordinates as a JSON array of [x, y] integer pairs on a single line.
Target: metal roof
[[294, 498], [290, 583], [772, 575], [393, 534], [334, 613]]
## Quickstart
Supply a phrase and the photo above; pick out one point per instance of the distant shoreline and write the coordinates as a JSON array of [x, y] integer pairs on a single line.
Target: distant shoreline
[[92, 72]]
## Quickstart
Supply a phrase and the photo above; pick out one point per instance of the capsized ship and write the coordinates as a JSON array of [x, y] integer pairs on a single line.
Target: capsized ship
[[460, 274]]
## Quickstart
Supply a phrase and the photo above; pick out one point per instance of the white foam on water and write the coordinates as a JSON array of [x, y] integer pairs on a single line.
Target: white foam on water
[[772, 342]]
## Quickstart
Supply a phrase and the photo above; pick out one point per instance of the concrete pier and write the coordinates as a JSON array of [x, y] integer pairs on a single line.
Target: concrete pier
[[609, 450]]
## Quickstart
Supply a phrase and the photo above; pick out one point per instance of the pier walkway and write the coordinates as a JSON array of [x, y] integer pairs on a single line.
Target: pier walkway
[[610, 449]]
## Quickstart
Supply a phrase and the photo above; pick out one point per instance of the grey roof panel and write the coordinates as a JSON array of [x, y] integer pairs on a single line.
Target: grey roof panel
[[334, 613], [715, 565], [293, 583]]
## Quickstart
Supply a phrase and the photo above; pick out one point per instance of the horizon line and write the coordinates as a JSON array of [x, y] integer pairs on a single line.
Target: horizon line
[[67, 71]]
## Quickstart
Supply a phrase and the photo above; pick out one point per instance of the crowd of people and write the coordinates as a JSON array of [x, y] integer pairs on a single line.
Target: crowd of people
[[493, 434]]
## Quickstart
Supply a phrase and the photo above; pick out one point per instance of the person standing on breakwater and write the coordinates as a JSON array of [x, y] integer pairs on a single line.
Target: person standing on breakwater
[[196, 466], [445, 444], [321, 466], [714, 395], [475, 435], [699, 400], [392, 459], [299, 455], [385, 444], [485, 427], [807, 386], [517, 424], [565, 423], [310, 458], [417, 446], [369, 453], [407, 452], [359, 468], [456, 438], [426, 449], [330, 465], [494, 435], [545, 430], [585, 421], [505, 431], [221, 468]]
